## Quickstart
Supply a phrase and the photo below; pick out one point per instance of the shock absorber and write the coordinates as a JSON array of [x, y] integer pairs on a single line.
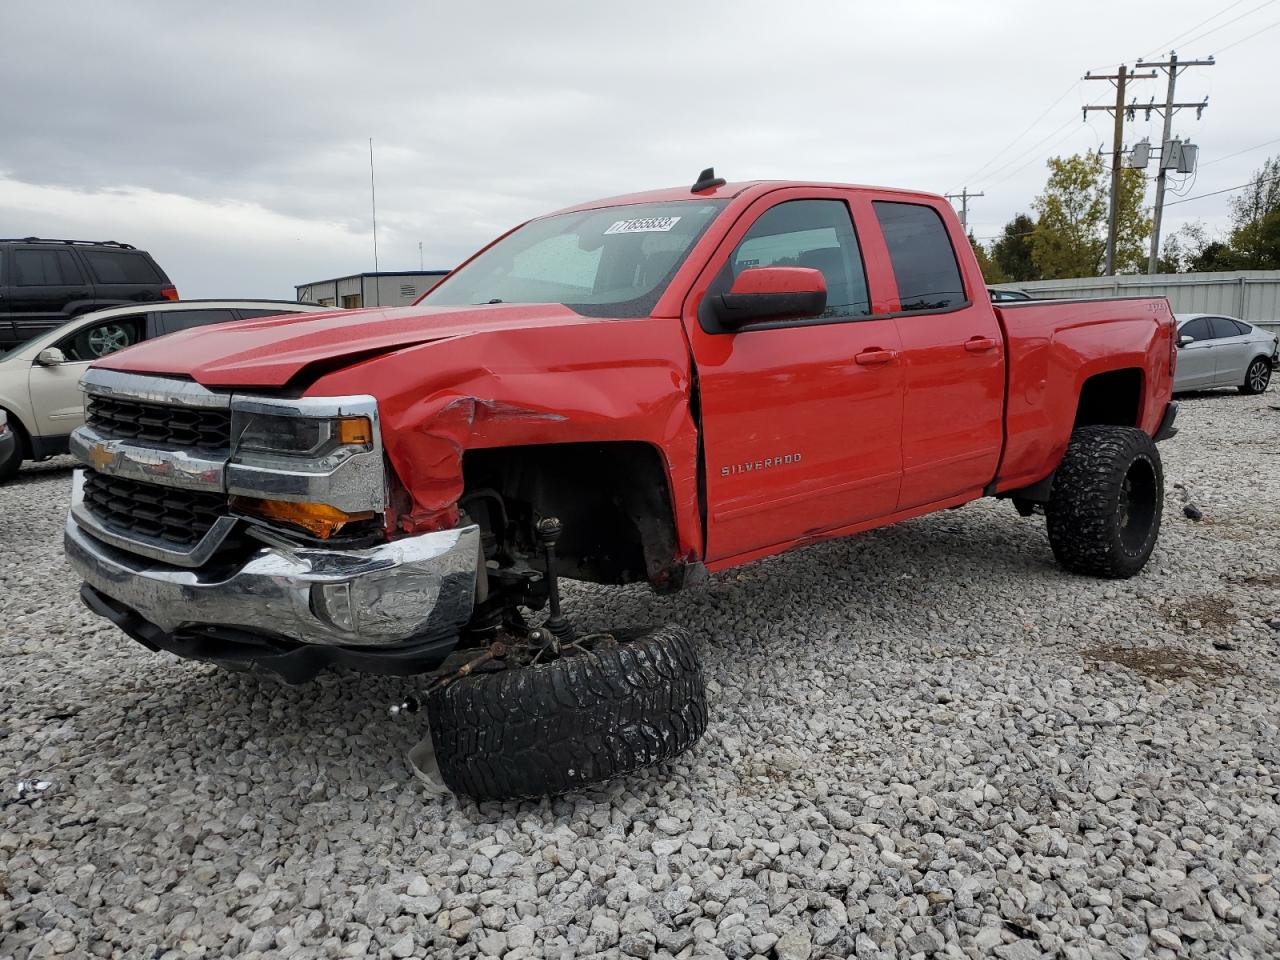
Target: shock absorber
[[548, 531]]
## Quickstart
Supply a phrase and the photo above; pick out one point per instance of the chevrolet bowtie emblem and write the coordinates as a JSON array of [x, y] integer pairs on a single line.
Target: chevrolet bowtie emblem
[[101, 456]]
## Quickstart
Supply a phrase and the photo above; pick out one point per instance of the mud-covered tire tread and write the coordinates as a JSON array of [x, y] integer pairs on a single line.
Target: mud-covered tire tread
[[554, 727], [1081, 513]]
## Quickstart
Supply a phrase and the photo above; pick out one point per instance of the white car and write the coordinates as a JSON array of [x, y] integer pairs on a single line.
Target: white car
[[1218, 351], [40, 379]]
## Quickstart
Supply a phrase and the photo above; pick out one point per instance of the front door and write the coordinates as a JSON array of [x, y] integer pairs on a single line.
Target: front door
[[1195, 360], [801, 420], [953, 359], [56, 399]]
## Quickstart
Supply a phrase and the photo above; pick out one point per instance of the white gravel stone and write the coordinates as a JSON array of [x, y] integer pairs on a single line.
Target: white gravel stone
[[980, 718]]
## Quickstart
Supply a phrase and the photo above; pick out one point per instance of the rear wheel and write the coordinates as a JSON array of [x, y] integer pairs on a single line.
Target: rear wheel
[[9, 466], [1105, 507], [1257, 377], [614, 704]]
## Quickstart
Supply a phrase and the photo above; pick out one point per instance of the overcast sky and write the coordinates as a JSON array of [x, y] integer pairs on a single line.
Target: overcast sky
[[231, 139]]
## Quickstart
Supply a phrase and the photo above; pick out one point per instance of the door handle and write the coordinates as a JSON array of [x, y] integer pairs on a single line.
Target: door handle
[[874, 358], [979, 344]]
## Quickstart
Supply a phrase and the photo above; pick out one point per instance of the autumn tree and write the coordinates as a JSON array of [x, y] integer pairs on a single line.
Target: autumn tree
[[1070, 236], [1012, 250], [991, 271]]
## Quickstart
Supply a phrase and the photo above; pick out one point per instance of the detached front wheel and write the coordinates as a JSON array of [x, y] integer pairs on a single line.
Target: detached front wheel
[[1106, 503], [605, 707]]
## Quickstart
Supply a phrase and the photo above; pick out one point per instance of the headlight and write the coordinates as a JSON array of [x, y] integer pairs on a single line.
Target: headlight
[[304, 437]]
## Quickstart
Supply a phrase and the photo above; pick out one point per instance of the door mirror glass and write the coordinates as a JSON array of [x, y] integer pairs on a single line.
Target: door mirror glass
[[772, 293], [1184, 340], [50, 357]]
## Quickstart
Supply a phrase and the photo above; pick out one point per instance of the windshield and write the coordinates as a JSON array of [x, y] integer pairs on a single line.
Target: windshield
[[607, 262]]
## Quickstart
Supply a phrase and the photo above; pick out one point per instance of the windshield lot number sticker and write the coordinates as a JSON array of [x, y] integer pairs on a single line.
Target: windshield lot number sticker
[[643, 225]]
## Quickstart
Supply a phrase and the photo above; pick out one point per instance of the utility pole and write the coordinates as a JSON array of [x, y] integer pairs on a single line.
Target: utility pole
[[373, 207], [964, 196], [1120, 78], [1172, 67]]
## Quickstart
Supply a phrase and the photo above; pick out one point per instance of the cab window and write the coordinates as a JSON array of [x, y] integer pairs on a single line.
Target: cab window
[[924, 264], [808, 233], [1197, 329]]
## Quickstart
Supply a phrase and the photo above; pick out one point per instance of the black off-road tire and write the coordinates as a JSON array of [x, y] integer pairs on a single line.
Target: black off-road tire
[[1107, 499], [1257, 377], [549, 728]]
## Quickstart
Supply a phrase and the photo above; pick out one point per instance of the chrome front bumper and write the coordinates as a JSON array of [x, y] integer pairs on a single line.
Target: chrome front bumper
[[421, 586]]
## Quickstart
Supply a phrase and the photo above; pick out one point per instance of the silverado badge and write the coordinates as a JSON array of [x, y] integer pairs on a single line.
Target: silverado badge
[[767, 463]]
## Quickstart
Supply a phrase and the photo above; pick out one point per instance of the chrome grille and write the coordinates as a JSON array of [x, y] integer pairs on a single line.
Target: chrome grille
[[180, 517], [159, 423]]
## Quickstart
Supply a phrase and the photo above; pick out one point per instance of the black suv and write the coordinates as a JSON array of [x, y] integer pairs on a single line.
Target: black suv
[[44, 283]]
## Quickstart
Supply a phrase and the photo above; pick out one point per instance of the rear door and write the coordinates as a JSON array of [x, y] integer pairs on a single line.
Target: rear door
[[953, 355], [1195, 360], [46, 288], [800, 435], [1231, 351], [123, 276]]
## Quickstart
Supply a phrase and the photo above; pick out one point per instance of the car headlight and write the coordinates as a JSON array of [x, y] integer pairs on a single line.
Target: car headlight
[[310, 463], [307, 438]]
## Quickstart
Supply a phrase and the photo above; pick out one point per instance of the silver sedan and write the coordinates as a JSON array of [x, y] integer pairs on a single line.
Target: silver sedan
[[1218, 351]]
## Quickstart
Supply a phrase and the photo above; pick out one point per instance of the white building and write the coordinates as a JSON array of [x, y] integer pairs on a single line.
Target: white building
[[397, 288]]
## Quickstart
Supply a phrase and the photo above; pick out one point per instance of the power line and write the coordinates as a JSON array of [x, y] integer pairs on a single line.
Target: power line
[[1221, 26], [1017, 170], [1169, 43], [996, 156], [1256, 146], [1031, 149], [1249, 36], [1244, 186]]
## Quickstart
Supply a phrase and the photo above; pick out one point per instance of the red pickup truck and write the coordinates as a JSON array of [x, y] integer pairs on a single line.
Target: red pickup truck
[[644, 388]]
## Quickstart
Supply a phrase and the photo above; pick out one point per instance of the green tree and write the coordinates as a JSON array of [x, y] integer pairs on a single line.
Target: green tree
[[991, 271], [1012, 251], [1069, 239], [1254, 243]]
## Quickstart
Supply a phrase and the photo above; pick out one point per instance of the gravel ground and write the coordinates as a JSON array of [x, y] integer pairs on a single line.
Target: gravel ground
[[925, 741]]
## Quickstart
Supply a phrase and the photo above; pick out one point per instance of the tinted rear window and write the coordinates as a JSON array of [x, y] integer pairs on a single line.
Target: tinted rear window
[[923, 262], [44, 268], [172, 321], [120, 266]]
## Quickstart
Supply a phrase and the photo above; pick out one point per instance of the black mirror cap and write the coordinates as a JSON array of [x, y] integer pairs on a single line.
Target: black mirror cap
[[736, 310]]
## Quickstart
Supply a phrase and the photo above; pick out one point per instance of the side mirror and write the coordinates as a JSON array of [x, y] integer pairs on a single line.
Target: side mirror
[[772, 293], [50, 357], [1184, 340]]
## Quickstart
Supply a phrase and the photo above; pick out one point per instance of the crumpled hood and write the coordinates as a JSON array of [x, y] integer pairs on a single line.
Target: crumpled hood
[[273, 351]]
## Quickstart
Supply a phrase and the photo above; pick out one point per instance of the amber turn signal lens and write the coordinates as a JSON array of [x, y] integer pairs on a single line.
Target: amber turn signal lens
[[318, 519], [355, 430]]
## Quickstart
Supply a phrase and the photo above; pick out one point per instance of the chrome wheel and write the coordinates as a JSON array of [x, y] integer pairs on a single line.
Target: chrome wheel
[[1258, 376], [108, 339]]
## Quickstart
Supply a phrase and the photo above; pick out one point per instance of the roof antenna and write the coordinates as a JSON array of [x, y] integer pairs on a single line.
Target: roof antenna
[[707, 180]]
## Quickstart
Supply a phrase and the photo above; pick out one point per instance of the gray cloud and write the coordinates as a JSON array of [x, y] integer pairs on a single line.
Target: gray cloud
[[231, 139]]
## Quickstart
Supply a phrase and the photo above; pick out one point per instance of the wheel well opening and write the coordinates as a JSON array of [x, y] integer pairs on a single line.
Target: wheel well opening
[[612, 498], [1113, 399]]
